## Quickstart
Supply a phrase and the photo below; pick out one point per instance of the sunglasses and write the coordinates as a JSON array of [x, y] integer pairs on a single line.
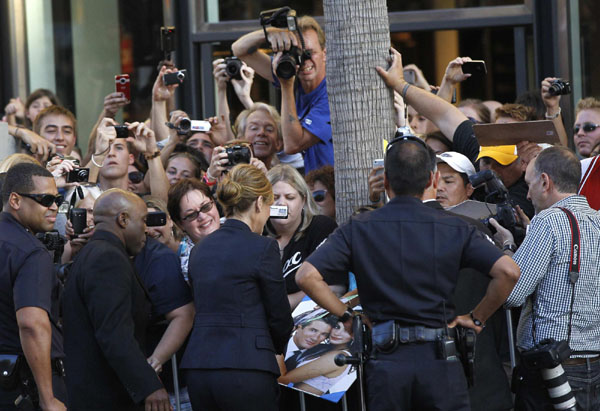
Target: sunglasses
[[403, 139], [136, 177], [319, 195], [587, 128], [204, 208], [45, 200]]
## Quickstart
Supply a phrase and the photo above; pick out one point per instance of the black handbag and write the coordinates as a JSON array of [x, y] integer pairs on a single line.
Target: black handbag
[[10, 367]]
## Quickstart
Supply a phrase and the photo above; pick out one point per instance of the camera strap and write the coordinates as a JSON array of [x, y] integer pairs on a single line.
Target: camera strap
[[574, 266]]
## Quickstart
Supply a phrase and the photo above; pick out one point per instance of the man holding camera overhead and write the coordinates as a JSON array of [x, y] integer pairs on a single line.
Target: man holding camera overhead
[[304, 107]]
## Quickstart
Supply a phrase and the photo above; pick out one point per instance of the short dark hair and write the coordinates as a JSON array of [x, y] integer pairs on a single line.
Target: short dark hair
[[562, 166], [20, 178], [439, 136], [328, 319], [408, 168], [194, 155], [533, 99], [477, 105], [325, 176], [181, 188]]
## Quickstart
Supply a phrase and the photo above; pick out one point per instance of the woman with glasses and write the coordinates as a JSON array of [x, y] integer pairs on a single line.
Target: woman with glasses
[[302, 232], [193, 209], [322, 186], [242, 314]]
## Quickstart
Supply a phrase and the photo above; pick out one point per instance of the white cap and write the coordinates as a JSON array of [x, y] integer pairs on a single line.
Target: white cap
[[457, 161]]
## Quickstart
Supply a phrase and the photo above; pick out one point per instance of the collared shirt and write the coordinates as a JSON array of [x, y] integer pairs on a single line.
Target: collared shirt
[[26, 280], [406, 257], [544, 261]]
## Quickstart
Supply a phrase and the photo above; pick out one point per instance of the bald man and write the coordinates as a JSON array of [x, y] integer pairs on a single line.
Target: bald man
[[106, 310]]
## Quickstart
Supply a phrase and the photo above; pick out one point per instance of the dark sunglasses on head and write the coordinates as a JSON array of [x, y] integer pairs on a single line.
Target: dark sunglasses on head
[[319, 195], [587, 127], [44, 199], [204, 208], [403, 139], [136, 177]]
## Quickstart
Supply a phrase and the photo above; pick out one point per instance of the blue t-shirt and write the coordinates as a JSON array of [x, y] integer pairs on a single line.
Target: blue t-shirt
[[314, 116]]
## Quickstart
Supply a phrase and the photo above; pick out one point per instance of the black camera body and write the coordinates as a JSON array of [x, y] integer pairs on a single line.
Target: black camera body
[[238, 154], [285, 18], [122, 131], [174, 78], [233, 67], [548, 353], [559, 87], [78, 217], [78, 175], [498, 194]]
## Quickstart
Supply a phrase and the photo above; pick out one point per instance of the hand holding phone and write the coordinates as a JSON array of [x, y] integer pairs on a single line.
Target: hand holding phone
[[474, 67]]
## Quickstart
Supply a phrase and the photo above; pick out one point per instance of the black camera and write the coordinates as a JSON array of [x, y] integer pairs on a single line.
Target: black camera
[[122, 131], [285, 18], [497, 194], [78, 217], [78, 175], [167, 41], [233, 67], [156, 219], [238, 154], [559, 87], [174, 78], [547, 357]]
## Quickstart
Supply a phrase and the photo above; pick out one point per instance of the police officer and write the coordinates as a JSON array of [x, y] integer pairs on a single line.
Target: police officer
[[406, 258], [30, 203]]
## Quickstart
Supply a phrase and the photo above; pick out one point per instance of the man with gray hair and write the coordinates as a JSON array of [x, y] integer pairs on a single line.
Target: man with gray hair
[[559, 286]]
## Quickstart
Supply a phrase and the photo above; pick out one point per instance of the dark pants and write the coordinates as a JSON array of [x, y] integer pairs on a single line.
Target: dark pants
[[413, 378], [7, 398], [584, 379], [232, 390]]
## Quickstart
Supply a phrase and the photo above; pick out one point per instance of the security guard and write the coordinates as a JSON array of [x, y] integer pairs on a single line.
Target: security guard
[[27, 282], [406, 258]]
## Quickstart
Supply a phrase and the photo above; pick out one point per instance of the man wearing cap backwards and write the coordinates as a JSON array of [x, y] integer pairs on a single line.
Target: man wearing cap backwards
[[454, 186]]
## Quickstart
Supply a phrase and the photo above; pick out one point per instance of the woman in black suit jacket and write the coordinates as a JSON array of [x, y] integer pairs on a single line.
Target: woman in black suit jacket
[[243, 316]]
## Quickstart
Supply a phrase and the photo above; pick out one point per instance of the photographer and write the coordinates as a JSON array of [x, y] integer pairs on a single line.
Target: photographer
[[243, 317], [555, 306], [28, 303], [305, 106]]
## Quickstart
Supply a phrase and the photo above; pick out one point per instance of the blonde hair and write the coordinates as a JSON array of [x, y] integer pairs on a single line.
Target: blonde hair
[[15, 159], [241, 187], [588, 103], [242, 119], [289, 175], [309, 23]]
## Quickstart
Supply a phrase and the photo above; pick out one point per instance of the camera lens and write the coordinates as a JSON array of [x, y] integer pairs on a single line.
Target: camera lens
[[181, 75], [185, 124]]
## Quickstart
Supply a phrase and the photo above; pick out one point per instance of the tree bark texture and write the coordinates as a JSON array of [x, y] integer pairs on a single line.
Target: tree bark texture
[[362, 110]]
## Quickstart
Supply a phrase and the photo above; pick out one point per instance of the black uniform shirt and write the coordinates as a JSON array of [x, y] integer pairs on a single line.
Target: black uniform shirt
[[406, 257], [26, 280]]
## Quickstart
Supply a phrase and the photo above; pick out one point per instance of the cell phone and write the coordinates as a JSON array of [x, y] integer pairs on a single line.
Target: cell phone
[[122, 85], [78, 219], [167, 41], [475, 67], [279, 212], [378, 162], [174, 78], [410, 76], [122, 131], [78, 175], [156, 219]]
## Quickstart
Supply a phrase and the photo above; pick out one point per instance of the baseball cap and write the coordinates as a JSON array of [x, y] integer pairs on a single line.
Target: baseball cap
[[505, 155], [459, 162]]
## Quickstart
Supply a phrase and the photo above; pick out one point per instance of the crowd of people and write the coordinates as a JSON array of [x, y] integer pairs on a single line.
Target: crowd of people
[[91, 313]]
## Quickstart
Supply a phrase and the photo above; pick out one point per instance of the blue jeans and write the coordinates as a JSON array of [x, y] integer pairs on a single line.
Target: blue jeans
[[585, 383]]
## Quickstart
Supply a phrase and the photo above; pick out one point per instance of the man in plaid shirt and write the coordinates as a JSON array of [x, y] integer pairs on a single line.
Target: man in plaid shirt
[[544, 286]]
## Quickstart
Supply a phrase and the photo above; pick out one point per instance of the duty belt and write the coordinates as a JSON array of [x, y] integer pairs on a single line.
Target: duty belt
[[419, 334]]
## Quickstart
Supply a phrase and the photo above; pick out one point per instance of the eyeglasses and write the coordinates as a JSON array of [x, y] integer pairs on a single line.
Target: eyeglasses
[[136, 177], [204, 208], [587, 127], [45, 200], [402, 139], [319, 195]]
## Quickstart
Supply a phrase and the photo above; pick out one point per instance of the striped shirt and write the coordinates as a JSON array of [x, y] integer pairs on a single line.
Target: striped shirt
[[544, 262]]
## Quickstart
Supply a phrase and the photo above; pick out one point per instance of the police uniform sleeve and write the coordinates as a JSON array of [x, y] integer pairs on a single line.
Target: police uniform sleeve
[[34, 282], [333, 256], [274, 297], [107, 292], [478, 252], [533, 257]]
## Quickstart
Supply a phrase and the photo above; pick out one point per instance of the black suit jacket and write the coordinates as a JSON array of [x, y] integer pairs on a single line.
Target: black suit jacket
[[105, 315], [243, 316]]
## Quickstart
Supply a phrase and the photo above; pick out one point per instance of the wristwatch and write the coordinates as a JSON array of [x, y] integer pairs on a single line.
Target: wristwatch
[[510, 247], [348, 314], [476, 321]]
